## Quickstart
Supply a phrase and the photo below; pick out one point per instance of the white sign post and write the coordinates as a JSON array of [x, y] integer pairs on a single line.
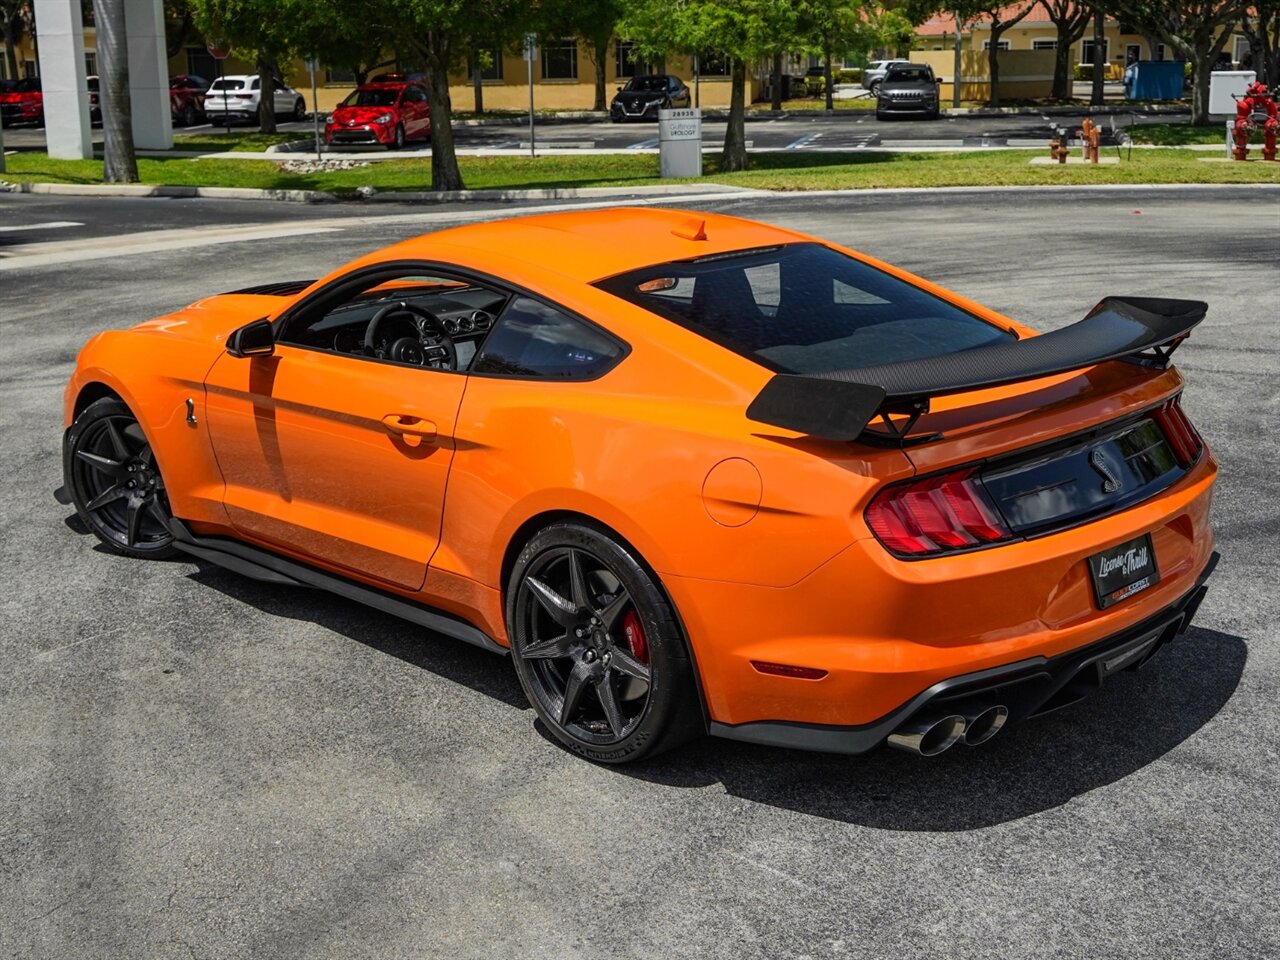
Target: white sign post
[[680, 142]]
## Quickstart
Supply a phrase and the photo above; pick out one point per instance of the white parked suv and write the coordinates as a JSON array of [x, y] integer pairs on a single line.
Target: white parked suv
[[874, 73], [237, 97]]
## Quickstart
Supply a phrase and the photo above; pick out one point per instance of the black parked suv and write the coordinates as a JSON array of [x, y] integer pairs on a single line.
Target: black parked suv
[[908, 88], [643, 97]]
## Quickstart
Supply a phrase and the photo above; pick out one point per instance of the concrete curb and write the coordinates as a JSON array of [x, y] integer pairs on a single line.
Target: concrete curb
[[148, 190], [675, 191], [366, 194]]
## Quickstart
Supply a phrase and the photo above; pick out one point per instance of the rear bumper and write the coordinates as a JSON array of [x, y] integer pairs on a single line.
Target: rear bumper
[[883, 630], [1028, 688]]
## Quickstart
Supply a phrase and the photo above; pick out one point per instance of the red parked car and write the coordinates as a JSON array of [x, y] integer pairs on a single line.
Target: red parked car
[[389, 110], [186, 98], [21, 102]]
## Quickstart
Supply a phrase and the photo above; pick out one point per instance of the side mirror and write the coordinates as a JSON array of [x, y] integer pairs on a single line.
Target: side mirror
[[255, 339], [937, 79]]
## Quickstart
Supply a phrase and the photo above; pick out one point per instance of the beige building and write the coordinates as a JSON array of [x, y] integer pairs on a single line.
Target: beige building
[[564, 77]]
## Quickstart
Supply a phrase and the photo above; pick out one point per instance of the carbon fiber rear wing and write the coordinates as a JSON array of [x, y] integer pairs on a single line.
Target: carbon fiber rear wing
[[842, 404]]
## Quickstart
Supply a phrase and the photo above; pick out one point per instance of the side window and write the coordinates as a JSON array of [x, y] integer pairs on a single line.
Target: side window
[[255, 84], [422, 320], [532, 339]]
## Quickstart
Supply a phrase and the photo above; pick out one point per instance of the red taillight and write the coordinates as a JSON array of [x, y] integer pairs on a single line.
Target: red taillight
[[244, 96], [937, 515], [1178, 432]]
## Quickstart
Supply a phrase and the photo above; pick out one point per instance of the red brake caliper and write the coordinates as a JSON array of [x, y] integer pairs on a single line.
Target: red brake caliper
[[634, 632]]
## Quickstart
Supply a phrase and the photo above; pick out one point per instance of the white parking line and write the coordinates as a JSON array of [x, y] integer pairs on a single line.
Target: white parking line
[[51, 225], [644, 144], [808, 138]]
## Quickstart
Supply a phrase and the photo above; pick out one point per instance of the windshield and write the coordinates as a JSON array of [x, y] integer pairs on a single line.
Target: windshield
[[373, 98], [804, 308], [913, 74], [647, 83]]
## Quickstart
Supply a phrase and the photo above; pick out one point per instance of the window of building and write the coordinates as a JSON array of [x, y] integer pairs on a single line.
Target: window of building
[[91, 63], [1159, 51], [626, 61], [339, 75], [1044, 44], [1000, 45], [1087, 52], [714, 65], [30, 69], [201, 63], [488, 61], [560, 60], [1241, 49]]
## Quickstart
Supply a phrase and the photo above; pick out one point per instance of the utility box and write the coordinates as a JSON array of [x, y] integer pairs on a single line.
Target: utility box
[[680, 143], [1224, 87]]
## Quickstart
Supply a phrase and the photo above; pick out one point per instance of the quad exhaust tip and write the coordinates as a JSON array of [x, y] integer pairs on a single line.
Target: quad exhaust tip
[[982, 726], [929, 734]]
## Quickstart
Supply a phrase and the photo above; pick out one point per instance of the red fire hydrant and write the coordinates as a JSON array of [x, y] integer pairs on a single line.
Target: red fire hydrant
[[1256, 108]]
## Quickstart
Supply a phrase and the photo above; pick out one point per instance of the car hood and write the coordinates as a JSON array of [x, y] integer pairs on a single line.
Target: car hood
[[632, 97], [906, 86], [213, 318], [360, 114]]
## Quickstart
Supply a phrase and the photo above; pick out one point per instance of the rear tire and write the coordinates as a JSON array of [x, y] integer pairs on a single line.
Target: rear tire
[[598, 648], [189, 115], [300, 110], [110, 471]]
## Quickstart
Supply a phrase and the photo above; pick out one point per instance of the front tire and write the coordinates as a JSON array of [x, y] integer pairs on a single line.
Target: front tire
[[299, 109], [399, 141], [597, 646], [110, 470]]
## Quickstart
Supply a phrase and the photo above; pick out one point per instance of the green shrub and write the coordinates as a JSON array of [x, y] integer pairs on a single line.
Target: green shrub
[[848, 76], [1084, 71]]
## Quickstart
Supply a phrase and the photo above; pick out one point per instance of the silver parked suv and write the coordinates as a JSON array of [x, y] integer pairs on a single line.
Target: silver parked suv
[[874, 73]]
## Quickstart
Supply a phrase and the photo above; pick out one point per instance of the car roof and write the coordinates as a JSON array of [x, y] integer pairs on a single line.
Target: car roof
[[589, 245]]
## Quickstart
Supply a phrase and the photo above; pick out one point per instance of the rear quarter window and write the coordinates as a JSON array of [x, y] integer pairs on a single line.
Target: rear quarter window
[[535, 340]]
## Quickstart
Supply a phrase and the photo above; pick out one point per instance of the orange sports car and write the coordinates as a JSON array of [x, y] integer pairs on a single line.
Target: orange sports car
[[693, 473]]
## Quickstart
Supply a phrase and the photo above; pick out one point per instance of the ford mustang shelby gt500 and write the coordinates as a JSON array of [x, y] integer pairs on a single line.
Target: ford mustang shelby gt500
[[694, 473]]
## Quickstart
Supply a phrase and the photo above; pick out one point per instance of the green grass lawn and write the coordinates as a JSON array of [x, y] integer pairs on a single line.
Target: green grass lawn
[[237, 141], [770, 171], [1176, 134]]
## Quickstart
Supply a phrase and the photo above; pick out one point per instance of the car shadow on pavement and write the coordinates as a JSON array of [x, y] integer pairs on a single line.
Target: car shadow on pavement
[[446, 657], [1029, 768]]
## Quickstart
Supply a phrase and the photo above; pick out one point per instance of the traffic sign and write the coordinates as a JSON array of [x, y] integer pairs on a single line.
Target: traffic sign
[[218, 49]]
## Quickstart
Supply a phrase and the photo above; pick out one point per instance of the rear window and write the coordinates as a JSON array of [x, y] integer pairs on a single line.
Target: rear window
[[227, 85], [804, 308]]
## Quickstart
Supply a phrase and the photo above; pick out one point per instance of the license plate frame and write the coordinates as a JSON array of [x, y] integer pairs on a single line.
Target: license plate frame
[[1123, 571]]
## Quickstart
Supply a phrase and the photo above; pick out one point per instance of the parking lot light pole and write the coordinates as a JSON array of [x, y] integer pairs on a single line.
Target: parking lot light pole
[[315, 104], [531, 51]]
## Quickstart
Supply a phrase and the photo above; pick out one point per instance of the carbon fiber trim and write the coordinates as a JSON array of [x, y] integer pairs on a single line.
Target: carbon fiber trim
[[1116, 328]]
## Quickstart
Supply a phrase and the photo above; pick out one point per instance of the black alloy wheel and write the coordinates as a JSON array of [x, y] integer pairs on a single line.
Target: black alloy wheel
[[399, 141], [597, 647], [189, 115], [299, 109], [114, 482]]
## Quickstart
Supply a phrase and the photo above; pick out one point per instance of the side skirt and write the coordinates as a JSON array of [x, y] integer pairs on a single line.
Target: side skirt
[[269, 567]]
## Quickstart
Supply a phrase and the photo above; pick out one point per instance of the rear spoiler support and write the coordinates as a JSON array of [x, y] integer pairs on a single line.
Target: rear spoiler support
[[840, 405]]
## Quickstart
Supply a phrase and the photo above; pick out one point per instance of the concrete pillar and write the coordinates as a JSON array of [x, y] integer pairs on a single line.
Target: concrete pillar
[[63, 80], [148, 74]]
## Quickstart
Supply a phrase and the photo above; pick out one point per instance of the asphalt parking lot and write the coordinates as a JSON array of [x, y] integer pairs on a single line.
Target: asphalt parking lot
[[196, 765]]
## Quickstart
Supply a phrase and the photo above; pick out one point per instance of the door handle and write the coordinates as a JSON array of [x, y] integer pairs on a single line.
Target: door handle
[[406, 425]]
